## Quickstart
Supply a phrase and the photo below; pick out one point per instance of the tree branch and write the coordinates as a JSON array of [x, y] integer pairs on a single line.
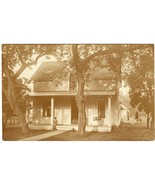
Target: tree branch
[[76, 58], [25, 65], [113, 50], [19, 55]]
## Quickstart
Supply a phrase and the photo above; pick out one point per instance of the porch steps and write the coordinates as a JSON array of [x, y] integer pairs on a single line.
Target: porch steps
[[67, 127], [88, 128]]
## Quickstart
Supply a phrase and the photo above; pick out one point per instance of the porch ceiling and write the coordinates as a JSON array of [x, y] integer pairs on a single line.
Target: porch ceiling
[[71, 93]]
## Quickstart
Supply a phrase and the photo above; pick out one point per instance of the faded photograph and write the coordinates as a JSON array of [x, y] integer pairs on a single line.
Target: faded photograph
[[78, 92]]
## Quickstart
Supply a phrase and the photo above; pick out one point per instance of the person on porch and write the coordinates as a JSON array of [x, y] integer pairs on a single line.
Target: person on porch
[[55, 122]]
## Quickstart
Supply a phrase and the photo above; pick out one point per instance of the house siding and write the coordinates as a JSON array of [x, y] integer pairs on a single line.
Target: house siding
[[50, 86], [115, 118]]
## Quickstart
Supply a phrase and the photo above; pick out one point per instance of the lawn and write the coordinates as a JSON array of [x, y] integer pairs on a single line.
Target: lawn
[[123, 133], [14, 133]]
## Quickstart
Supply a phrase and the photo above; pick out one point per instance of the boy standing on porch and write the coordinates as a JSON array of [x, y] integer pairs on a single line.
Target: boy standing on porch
[[55, 122]]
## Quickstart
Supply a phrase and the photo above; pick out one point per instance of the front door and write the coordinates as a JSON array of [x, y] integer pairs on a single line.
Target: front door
[[74, 112], [101, 111]]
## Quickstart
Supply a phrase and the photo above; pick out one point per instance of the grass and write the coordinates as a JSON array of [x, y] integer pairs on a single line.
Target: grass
[[14, 133], [125, 132]]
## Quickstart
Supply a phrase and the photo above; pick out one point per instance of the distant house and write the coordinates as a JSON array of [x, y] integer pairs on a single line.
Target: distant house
[[138, 116], [54, 96], [131, 115]]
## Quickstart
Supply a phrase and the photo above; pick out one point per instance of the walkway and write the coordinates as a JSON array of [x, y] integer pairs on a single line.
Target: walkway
[[43, 136]]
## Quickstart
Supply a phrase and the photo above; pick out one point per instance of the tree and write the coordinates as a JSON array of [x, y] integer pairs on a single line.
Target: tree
[[139, 74], [15, 59], [82, 58]]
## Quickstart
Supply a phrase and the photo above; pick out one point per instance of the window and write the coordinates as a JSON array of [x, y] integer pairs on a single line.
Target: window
[[136, 116], [46, 109]]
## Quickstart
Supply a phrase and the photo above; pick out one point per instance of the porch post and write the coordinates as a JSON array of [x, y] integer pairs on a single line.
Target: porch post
[[31, 114], [52, 110], [27, 113], [109, 110]]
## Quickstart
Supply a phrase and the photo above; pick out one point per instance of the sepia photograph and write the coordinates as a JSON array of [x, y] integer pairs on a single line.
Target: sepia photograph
[[78, 92]]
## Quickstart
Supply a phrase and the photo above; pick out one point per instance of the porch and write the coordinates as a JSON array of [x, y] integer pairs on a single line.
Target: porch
[[100, 110]]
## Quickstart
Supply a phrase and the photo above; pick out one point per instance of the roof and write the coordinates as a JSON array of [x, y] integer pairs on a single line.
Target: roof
[[125, 104], [48, 71], [104, 82]]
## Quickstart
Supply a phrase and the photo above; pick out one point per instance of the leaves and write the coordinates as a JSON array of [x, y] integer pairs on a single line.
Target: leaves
[[138, 70]]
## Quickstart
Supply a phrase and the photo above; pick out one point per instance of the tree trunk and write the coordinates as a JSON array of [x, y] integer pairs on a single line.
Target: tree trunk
[[151, 93], [147, 121], [22, 121], [80, 99], [152, 121], [13, 102]]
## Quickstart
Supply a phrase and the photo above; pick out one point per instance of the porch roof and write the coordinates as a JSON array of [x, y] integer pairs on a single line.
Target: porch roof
[[72, 93]]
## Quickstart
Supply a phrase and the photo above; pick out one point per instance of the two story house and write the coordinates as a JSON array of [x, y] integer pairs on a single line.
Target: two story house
[[54, 93]]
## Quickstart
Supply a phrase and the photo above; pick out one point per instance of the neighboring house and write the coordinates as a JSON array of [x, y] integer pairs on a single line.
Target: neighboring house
[[125, 112], [138, 116], [131, 115], [54, 96]]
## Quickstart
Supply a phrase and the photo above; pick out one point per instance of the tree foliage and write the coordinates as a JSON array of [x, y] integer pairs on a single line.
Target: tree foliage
[[138, 71]]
